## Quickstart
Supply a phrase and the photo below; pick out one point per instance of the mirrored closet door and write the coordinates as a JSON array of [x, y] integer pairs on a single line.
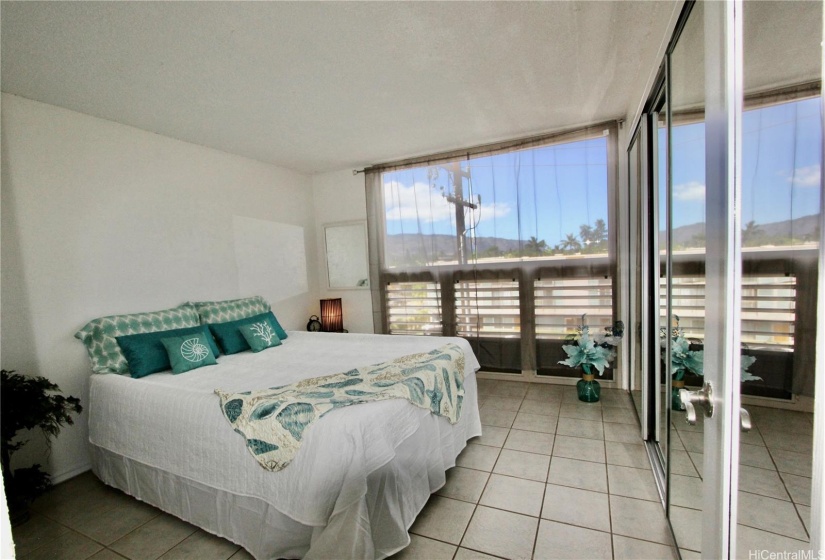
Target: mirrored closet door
[[725, 197], [780, 200], [687, 239]]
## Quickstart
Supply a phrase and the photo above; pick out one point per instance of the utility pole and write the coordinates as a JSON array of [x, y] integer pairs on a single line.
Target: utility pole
[[457, 198]]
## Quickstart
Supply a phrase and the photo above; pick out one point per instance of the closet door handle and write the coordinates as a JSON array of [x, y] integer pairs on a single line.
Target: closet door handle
[[691, 399], [745, 420]]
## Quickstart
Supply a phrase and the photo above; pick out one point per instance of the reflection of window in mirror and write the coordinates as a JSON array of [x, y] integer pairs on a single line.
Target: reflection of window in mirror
[[346, 249]]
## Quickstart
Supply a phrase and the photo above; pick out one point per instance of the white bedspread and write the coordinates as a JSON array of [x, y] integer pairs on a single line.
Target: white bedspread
[[174, 422]]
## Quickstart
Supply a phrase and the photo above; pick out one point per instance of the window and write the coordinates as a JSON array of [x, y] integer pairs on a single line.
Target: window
[[544, 202], [459, 240], [487, 309], [768, 309], [781, 151], [414, 308], [561, 303]]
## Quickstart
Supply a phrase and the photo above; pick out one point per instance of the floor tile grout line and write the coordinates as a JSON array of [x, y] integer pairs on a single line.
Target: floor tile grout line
[[84, 535], [775, 469], [475, 506], [609, 509], [773, 533], [785, 486], [108, 547]]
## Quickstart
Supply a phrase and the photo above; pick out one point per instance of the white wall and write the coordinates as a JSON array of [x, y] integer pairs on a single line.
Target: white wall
[[100, 218], [339, 197]]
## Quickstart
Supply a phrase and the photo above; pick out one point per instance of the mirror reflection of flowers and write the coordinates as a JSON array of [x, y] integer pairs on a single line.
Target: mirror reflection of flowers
[[684, 360], [744, 363]]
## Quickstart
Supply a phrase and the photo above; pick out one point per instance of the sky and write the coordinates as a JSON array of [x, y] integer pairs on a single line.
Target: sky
[[542, 192], [781, 147], [549, 192]]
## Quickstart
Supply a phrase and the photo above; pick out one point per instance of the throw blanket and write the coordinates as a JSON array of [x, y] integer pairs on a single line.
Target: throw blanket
[[273, 421]]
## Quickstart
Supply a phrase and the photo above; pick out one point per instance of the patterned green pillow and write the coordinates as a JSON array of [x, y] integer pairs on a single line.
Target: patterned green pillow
[[230, 309], [189, 352], [99, 335], [260, 335]]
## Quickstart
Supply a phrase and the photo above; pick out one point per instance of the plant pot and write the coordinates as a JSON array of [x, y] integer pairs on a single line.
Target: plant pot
[[18, 510], [675, 399], [588, 388]]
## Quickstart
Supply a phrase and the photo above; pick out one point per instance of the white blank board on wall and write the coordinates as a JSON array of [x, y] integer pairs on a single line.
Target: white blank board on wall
[[271, 258]]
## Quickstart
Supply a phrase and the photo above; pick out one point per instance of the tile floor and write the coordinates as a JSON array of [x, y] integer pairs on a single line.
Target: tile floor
[[82, 518], [774, 481], [550, 478]]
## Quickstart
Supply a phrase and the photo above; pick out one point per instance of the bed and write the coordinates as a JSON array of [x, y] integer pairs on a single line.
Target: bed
[[360, 478]]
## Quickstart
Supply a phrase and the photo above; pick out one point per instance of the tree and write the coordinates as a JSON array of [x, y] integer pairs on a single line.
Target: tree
[[570, 244], [751, 234], [586, 234], [600, 231], [594, 238], [491, 251], [698, 240], [535, 247]]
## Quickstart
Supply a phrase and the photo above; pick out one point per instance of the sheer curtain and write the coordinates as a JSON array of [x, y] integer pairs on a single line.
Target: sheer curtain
[[460, 242]]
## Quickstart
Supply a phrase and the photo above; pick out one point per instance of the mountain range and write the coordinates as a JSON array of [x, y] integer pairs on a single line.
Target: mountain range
[[406, 246]]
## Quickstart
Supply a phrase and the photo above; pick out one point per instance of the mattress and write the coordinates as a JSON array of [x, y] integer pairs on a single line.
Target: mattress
[[355, 486]]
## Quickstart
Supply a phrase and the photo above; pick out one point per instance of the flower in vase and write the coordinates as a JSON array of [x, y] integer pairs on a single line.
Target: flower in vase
[[587, 353], [745, 362], [683, 359]]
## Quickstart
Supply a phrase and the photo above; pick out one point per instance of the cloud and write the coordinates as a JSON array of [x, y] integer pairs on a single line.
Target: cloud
[[808, 176], [498, 210], [421, 202], [689, 192], [416, 202]]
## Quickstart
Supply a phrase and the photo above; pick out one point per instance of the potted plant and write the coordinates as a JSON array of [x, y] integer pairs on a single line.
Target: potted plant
[[591, 352], [28, 403], [683, 360]]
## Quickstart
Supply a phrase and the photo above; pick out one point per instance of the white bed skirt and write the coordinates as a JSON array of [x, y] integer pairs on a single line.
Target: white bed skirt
[[374, 526]]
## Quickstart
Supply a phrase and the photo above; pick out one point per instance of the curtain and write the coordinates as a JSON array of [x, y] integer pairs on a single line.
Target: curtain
[[459, 239]]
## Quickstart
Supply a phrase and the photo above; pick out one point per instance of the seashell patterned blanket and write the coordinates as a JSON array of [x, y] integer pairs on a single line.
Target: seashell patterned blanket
[[273, 421]]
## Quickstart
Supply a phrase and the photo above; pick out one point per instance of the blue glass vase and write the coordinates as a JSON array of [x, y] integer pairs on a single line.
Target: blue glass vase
[[675, 399], [588, 388]]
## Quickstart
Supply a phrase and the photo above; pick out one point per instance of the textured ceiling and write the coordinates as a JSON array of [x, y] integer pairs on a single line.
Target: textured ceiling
[[321, 86], [781, 46]]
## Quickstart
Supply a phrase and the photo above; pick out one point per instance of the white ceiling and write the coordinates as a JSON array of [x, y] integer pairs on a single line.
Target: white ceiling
[[323, 86]]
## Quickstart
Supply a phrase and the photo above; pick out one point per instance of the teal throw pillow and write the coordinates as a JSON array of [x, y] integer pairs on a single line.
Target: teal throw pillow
[[189, 352], [229, 336], [146, 354], [260, 336], [279, 330]]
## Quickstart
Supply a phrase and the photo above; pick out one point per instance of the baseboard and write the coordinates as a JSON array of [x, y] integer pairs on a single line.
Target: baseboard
[[796, 402], [531, 377], [62, 477]]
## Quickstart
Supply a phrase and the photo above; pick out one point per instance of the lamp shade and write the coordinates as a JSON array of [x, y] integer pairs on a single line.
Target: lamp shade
[[332, 315]]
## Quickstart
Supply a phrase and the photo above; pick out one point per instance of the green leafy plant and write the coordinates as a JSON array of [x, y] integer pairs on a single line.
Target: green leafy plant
[[592, 351], [29, 403], [744, 363], [684, 360]]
